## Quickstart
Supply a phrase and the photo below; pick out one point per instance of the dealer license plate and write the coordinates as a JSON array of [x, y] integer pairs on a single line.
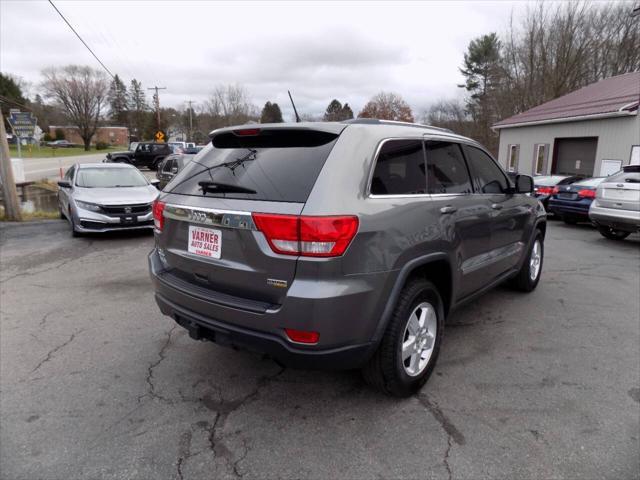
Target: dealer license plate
[[205, 242]]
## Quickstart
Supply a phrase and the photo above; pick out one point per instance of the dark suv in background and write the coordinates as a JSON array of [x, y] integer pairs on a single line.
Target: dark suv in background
[[340, 245], [146, 154]]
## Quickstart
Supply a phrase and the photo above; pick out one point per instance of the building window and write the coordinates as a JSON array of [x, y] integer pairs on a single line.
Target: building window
[[512, 164], [635, 155], [541, 151]]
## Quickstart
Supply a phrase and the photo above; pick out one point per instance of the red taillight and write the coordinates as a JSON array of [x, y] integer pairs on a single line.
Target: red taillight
[[544, 190], [587, 193], [302, 336], [307, 236], [158, 214], [247, 132], [555, 190]]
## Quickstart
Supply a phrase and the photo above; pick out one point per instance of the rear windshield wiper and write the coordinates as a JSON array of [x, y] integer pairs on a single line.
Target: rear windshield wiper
[[217, 187], [232, 165]]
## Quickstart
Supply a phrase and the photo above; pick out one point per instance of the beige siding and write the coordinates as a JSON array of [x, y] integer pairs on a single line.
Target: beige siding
[[615, 138]]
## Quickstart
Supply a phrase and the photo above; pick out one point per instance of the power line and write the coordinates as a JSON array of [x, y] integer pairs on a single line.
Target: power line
[[7, 100], [80, 38]]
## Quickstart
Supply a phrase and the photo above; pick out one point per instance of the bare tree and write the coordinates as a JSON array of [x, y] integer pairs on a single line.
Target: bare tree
[[451, 114], [387, 106], [558, 48], [229, 105], [81, 92]]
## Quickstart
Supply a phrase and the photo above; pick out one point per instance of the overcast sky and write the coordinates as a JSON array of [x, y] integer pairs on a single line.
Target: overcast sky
[[319, 51]]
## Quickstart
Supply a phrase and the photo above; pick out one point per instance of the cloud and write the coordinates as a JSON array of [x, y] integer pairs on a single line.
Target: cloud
[[319, 51]]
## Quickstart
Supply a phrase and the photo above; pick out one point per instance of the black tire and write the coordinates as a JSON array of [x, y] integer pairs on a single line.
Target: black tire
[[523, 281], [612, 233], [386, 370]]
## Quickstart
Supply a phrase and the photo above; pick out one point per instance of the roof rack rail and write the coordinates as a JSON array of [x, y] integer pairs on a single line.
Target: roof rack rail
[[376, 121]]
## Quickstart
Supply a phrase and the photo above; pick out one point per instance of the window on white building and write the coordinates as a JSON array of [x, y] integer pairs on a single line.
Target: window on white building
[[541, 151], [512, 164]]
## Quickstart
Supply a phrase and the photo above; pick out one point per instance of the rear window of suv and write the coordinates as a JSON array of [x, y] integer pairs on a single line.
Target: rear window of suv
[[276, 165]]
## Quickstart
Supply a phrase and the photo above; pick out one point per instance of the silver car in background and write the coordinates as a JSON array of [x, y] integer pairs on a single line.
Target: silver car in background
[[101, 197], [616, 208]]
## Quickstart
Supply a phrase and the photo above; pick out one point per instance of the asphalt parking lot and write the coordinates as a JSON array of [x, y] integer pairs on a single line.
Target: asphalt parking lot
[[95, 383]]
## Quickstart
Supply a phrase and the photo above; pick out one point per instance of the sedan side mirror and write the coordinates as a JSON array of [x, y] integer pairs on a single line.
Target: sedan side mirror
[[524, 184], [64, 184], [155, 182], [174, 170]]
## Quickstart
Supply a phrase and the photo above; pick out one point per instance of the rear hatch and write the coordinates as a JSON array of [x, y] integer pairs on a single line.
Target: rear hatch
[[621, 191], [209, 240]]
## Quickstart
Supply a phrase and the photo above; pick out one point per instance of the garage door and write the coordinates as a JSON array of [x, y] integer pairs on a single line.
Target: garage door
[[575, 156]]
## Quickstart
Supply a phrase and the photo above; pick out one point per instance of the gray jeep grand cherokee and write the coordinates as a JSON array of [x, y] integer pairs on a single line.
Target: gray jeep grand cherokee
[[340, 245]]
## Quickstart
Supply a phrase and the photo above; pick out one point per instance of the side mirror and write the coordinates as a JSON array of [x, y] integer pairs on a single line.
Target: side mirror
[[524, 184], [155, 182], [64, 184], [174, 170]]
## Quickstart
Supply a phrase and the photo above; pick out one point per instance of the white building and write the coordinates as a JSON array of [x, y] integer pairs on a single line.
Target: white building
[[592, 131]]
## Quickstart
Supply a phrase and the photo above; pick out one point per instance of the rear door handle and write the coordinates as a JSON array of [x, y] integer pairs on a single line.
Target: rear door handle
[[448, 209], [496, 206]]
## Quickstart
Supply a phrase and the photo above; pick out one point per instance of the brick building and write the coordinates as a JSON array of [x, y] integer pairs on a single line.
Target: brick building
[[110, 135]]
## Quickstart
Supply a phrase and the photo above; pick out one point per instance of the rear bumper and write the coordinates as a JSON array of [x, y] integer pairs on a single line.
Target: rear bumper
[[571, 208], [225, 334], [346, 318], [626, 220]]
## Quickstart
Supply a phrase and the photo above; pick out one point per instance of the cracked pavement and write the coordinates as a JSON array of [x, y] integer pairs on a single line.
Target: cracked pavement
[[96, 383]]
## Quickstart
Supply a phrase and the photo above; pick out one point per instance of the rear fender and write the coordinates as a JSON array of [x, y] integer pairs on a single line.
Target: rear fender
[[405, 273]]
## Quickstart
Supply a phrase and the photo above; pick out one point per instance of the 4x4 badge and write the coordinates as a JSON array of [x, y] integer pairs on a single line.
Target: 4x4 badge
[[277, 283]]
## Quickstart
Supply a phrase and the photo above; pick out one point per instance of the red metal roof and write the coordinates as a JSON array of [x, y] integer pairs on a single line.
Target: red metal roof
[[613, 95]]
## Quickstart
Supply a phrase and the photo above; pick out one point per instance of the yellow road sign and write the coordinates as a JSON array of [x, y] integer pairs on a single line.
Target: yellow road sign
[[160, 136]]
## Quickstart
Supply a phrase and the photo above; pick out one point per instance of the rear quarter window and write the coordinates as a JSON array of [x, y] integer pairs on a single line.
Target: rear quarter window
[[278, 165], [400, 169]]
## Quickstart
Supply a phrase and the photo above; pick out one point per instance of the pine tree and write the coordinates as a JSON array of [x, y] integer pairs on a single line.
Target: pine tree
[[271, 113], [336, 112], [118, 101], [333, 113], [482, 70], [137, 108], [347, 113]]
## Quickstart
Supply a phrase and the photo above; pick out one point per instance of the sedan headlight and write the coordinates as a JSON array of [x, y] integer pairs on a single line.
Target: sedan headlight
[[92, 207]]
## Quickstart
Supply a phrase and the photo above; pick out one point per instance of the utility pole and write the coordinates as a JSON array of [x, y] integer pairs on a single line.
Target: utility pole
[[9, 192], [156, 100], [190, 102]]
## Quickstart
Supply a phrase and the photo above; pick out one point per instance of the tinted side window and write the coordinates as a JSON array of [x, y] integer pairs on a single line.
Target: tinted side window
[[486, 174], [446, 169], [168, 165], [161, 148], [399, 169]]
